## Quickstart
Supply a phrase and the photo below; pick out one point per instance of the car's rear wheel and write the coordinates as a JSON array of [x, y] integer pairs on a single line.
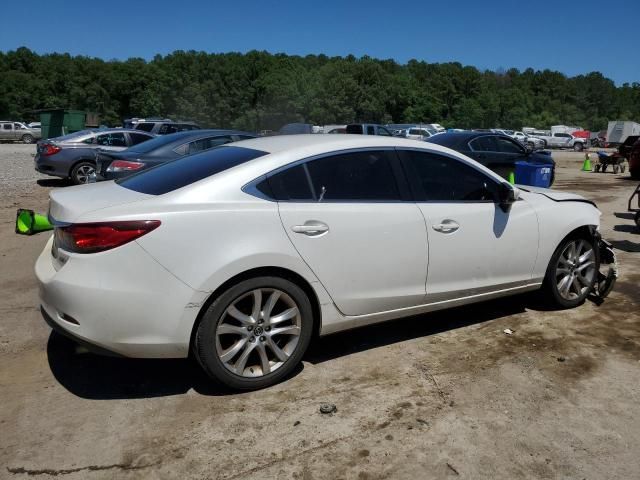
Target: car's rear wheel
[[27, 138], [578, 146], [571, 273], [255, 333], [82, 172]]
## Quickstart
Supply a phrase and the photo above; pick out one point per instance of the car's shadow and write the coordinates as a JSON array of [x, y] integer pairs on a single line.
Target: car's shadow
[[100, 377], [54, 182]]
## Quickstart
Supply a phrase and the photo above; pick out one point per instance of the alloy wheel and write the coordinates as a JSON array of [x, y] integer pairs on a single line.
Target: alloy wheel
[[84, 173], [258, 332], [575, 270]]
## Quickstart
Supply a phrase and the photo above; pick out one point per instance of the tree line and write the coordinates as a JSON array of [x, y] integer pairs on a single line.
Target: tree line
[[258, 90]]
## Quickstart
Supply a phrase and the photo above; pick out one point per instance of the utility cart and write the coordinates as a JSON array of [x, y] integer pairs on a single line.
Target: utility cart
[[614, 159]]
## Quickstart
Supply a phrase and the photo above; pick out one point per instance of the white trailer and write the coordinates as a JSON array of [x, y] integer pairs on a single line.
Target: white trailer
[[618, 131]]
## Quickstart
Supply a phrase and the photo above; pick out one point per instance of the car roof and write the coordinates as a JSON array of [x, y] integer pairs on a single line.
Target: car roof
[[319, 142], [188, 134], [456, 139]]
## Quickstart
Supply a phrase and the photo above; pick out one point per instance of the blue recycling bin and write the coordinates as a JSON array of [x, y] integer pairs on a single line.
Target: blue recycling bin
[[534, 174]]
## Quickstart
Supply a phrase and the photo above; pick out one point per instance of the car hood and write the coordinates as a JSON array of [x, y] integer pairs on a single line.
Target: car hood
[[67, 205], [555, 195]]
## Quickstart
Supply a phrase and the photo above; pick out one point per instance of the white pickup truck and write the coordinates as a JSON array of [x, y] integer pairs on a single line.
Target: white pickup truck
[[560, 140]]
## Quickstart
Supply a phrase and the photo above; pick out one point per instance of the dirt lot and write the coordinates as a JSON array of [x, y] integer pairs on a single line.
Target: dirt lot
[[435, 396]]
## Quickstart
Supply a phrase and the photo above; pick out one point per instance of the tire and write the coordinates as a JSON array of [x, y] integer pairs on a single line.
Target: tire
[[569, 280], [27, 138], [81, 172], [229, 333], [578, 147]]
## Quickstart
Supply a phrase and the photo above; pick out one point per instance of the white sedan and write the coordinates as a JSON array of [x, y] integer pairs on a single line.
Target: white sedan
[[244, 252]]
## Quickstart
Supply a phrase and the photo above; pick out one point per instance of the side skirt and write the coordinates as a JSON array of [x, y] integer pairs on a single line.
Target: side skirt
[[348, 322]]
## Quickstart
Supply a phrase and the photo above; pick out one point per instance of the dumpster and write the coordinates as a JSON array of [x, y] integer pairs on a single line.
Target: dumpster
[[59, 121], [534, 174]]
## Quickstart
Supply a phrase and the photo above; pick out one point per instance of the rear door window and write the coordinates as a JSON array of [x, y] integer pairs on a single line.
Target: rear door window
[[366, 175], [292, 184], [111, 140], [187, 170]]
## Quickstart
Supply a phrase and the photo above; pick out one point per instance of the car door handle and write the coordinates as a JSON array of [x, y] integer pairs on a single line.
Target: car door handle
[[311, 228], [447, 226]]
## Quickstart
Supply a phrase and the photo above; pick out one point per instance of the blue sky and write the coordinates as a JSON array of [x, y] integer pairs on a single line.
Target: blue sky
[[563, 36]]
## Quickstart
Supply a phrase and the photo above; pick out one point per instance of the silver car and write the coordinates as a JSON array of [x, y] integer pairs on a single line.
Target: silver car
[[17, 131], [73, 156]]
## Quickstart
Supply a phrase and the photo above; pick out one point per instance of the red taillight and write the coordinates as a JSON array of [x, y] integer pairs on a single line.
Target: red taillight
[[49, 149], [124, 166], [98, 237]]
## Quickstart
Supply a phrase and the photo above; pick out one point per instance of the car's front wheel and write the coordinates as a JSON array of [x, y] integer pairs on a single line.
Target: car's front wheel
[[578, 147], [571, 273], [27, 138], [255, 333]]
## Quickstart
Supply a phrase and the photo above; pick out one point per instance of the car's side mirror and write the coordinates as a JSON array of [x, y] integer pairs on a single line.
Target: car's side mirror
[[507, 195]]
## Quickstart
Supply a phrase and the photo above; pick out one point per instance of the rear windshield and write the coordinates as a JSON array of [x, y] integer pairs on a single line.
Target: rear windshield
[[186, 170], [74, 135], [150, 145]]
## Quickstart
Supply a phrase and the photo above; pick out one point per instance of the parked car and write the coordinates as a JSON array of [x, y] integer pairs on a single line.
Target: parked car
[[419, 133], [367, 129], [495, 151], [17, 131], [533, 143], [163, 127], [633, 156], [562, 140], [112, 165], [73, 156], [242, 253], [131, 123]]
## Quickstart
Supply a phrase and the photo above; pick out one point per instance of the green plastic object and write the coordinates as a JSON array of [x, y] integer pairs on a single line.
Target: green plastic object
[[29, 223], [512, 178]]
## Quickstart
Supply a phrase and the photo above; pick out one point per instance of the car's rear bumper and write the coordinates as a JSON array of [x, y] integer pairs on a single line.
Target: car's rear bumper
[[119, 301], [49, 167]]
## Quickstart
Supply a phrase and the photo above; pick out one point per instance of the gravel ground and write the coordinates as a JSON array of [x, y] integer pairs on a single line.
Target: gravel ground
[[444, 395]]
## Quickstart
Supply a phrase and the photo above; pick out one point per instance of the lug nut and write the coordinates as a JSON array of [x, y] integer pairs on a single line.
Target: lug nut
[[263, 338]]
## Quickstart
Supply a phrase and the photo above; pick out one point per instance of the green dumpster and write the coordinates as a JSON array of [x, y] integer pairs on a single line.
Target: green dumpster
[[59, 121]]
